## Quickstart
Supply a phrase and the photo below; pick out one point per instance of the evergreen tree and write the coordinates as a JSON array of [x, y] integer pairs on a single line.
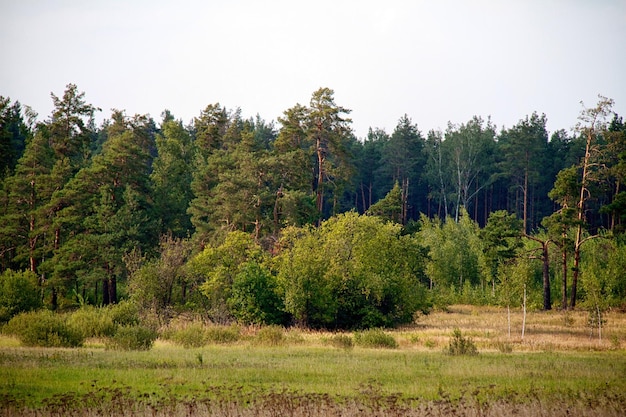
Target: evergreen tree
[[22, 225], [369, 182], [171, 178], [403, 160], [501, 238], [329, 131], [105, 211], [390, 207], [592, 126], [210, 127], [14, 133], [71, 128], [615, 175], [524, 152]]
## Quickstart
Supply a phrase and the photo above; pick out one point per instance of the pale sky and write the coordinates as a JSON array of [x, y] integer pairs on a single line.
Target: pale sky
[[436, 61]]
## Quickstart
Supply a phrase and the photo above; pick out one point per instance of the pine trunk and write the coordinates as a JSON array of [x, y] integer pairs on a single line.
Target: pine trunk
[[564, 273], [581, 218], [545, 258]]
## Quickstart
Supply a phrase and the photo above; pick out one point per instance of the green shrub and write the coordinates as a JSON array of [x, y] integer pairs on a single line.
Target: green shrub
[[222, 334], [134, 337], [341, 341], [429, 343], [254, 296], [271, 336], [92, 322], [461, 345], [375, 338], [191, 336], [19, 293], [45, 329], [125, 313]]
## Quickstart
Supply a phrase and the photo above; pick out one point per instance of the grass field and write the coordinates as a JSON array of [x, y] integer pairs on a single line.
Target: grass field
[[557, 369]]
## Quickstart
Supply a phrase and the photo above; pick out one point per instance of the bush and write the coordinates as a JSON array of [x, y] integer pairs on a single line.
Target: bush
[[92, 322], [19, 293], [45, 329], [191, 336], [124, 313], [134, 337], [460, 345], [254, 296], [352, 272], [375, 338], [271, 336], [341, 341], [222, 334]]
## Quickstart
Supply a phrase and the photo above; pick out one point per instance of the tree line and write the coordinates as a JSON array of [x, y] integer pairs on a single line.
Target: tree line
[[303, 222]]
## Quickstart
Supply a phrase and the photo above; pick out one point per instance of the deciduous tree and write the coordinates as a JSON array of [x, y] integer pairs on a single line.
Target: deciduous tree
[[352, 272]]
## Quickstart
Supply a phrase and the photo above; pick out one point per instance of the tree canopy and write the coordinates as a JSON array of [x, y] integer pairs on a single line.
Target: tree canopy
[[301, 222]]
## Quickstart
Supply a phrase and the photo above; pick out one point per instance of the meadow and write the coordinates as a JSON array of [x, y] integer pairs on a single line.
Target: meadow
[[559, 368]]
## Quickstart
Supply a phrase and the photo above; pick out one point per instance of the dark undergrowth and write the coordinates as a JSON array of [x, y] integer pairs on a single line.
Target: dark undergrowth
[[370, 400]]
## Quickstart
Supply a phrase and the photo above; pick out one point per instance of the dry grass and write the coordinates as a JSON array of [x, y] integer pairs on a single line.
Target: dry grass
[[488, 327], [306, 374]]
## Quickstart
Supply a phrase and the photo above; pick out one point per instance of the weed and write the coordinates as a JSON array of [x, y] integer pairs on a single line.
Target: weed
[[615, 341], [222, 334], [568, 319], [341, 341], [44, 328], [271, 336], [92, 322], [461, 345], [192, 336], [132, 338], [429, 343], [375, 338], [125, 313], [504, 347]]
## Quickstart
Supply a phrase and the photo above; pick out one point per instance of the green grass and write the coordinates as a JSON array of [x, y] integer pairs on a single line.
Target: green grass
[[556, 370], [32, 375]]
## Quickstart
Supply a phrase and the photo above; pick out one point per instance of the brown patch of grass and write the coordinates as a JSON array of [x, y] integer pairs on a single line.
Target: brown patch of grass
[[488, 327], [370, 400]]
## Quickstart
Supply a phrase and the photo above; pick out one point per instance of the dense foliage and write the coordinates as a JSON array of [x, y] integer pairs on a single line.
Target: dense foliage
[[301, 222], [352, 271], [19, 292]]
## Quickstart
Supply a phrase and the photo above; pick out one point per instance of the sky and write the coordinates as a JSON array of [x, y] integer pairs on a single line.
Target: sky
[[435, 61]]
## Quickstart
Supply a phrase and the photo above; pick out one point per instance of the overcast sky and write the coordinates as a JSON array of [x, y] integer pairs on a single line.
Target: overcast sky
[[436, 61]]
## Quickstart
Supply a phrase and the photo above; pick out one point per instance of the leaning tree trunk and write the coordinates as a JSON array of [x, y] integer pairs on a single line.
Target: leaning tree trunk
[[545, 261], [547, 301], [564, 281], [321, 157], [581, 216], [405, 200], [524, 314]]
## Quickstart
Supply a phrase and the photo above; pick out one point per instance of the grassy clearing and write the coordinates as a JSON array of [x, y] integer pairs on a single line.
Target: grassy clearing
[[35, 376], [488, 327], [556, 367]]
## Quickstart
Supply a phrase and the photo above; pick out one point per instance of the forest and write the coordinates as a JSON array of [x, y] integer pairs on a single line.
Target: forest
[[300, 222]]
